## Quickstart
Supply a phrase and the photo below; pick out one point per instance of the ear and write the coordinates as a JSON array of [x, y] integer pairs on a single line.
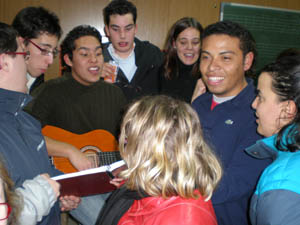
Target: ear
[[21, 39], [22, 42], [106, 31], [4, 63], [67, 60], [289, 110], [248, 60]]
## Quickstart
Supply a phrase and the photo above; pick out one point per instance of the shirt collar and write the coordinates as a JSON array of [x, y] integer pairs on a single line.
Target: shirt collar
[[30, 81], [114, 55]]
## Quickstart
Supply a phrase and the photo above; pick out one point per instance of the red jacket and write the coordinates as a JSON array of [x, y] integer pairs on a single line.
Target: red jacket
[[175, 210]]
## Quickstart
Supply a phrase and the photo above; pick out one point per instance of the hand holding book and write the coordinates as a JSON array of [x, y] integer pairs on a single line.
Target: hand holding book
[[91, 181]]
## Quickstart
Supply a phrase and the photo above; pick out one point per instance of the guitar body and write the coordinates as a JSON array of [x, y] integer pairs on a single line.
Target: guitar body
[[98, 144]]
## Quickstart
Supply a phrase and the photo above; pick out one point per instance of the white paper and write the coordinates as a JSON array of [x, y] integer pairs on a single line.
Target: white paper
[[110, 167]]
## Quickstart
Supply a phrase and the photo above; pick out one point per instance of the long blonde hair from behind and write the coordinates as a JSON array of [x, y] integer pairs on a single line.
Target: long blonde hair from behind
[[162, 143]]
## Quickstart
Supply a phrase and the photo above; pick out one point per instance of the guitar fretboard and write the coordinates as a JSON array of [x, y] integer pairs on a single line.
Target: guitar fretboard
[[107, 158]]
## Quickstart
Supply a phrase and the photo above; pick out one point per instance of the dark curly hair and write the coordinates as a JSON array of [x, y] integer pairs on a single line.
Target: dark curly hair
[[288, 52], [119, 7], [68, 44], [285, 74], [247, 42], [31, 22]]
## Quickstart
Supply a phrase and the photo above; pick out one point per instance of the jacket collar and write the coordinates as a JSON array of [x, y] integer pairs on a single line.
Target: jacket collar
[[243, 96], [264, 148], [247, 91], [151, 205], [12, 101]]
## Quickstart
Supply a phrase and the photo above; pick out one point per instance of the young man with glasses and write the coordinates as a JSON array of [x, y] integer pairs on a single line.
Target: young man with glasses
[[22, 145], [40, 31]]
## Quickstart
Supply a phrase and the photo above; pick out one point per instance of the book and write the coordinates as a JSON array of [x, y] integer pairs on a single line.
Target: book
[[90, 182]]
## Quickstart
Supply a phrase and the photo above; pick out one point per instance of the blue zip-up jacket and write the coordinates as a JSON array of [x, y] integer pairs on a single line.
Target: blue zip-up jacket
[[276, 200], [229, 128], [22, 145]]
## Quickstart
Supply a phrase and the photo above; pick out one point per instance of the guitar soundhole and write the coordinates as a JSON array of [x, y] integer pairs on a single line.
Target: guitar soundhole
[[92, 154], [100, 158]]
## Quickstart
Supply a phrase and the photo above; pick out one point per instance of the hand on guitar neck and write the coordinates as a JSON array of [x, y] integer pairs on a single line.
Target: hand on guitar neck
[[62, 149]]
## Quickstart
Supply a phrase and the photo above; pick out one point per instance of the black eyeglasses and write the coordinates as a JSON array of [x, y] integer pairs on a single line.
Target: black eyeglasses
[[44, 51], [5, 207], [25, 54]]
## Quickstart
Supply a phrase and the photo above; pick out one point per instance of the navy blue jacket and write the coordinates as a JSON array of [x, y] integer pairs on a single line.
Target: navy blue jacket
[[229, 128], [277, 197], [22, 145]]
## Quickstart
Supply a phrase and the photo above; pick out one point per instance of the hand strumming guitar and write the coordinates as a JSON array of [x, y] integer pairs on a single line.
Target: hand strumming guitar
[[79, 160], [62, 149]]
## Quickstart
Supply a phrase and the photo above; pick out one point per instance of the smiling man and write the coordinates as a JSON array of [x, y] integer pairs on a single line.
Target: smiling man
[[138, 61], [39, 31], [228, 121], [79, 102]]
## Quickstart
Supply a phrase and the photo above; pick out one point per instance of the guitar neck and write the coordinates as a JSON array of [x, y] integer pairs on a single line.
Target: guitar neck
[[107, 158]]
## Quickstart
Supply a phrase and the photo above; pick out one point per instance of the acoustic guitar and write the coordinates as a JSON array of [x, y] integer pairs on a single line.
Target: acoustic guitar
[[100, 146]]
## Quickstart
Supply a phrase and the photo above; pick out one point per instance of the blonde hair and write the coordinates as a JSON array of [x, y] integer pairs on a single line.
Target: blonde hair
[[161, 141]]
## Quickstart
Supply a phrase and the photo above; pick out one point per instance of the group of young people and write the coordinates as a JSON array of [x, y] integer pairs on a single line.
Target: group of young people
[[191, 157]]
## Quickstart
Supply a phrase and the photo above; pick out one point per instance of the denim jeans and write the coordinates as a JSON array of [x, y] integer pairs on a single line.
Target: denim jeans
[[89, 208]]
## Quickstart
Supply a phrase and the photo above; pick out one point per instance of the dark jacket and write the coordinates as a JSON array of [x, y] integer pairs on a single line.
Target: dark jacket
[[276, 200], [38, 81], [148, 59], [22, 146], [229, 128], [181, 85]]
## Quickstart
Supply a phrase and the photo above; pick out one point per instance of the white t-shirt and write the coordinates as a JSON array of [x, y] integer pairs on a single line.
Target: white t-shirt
[[127, 65]]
